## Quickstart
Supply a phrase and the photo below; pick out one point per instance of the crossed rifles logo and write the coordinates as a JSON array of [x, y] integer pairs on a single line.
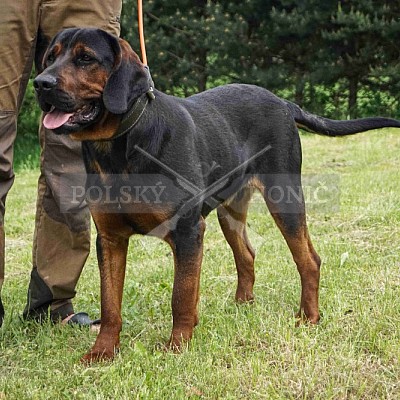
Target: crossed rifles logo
[[198, 195]]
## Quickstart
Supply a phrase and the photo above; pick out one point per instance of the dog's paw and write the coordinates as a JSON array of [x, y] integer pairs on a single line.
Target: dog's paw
[[99, 356], [177, 344], [244, 297], [301, 318]]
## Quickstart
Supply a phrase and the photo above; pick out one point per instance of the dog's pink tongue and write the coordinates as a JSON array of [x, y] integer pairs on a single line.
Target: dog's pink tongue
[[55, 119]]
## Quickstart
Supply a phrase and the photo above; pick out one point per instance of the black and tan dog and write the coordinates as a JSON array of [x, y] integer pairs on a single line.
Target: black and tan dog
[[95, 89]]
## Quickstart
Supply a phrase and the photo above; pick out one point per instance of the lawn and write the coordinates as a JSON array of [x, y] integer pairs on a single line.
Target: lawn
[[239, 351]]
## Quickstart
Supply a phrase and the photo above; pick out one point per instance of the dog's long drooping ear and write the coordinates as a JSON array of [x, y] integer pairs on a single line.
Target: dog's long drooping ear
[[128, 79]]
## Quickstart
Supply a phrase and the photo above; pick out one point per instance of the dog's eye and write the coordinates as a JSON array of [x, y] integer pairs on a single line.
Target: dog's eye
[[50, 59], [85, 59]]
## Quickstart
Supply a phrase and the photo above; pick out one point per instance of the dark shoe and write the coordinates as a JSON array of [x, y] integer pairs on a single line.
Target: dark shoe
[[82, 319]]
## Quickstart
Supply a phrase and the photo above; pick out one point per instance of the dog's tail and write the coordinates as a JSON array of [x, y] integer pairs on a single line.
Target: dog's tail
[[329, 127]]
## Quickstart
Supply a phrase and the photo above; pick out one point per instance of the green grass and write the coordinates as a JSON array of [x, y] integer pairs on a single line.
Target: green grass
[[238, 352]]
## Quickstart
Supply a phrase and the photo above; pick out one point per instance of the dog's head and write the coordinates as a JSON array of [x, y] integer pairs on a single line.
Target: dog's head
[[89, 76]]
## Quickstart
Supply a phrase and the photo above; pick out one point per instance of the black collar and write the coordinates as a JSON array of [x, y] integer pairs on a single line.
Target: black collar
[[133, 115]]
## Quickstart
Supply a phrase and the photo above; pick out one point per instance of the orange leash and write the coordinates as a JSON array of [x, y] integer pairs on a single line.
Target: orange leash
[[141, 32], [150, 92]]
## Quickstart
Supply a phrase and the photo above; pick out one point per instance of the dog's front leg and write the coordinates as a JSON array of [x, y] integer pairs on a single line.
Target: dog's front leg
[[111, 254], [187, 246]]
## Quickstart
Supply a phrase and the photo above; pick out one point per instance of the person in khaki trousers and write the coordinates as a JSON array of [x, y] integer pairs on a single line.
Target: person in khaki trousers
[[61, 239]]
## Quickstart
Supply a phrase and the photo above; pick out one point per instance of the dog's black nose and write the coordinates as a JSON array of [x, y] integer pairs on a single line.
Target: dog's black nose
[[45, 82]]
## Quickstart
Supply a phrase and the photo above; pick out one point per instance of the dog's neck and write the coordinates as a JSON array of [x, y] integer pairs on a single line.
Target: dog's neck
[[133, 115]]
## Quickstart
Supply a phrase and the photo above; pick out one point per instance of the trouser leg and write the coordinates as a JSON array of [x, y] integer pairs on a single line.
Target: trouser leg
[[7, 135], [18, 21], [62, 230]]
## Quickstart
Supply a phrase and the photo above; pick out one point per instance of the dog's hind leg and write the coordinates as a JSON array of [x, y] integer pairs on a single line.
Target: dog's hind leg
[[284, 197], [232, 219]]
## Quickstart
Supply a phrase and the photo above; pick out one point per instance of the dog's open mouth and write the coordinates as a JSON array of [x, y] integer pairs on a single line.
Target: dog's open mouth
[[56, 118]]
